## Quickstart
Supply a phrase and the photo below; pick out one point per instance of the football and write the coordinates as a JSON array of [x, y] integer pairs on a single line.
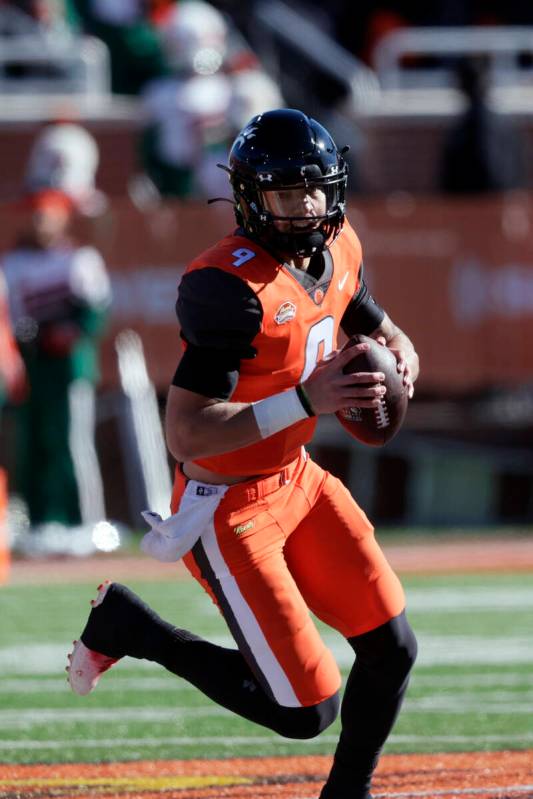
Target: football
[[376, 426]]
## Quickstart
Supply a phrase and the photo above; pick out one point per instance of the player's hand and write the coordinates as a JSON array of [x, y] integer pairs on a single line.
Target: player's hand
[[329, 389], [402, 365]]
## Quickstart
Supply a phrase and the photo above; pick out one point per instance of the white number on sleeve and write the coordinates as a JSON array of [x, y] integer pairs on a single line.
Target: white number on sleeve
[[319, 344], [242, 255]]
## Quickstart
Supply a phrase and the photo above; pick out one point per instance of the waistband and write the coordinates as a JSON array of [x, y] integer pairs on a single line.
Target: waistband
[[262, 487], [250, 490]]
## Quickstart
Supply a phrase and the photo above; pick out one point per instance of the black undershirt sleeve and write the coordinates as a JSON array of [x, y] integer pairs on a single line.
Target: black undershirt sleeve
[[363, 314], [219, 316]]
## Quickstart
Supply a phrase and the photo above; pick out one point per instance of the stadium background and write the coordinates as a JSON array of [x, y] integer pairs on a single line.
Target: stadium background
[[456, 272]]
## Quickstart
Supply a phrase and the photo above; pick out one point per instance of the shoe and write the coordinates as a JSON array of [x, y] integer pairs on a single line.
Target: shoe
[[86, 666]]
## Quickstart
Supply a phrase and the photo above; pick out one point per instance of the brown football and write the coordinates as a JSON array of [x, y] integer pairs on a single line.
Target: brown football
[[376, 426]]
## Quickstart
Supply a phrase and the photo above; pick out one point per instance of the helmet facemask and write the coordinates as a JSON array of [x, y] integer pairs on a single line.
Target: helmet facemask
[[297, 219], [289, 181]]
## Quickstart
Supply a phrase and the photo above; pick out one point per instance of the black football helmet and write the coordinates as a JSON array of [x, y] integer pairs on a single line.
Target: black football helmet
[[278, 159]]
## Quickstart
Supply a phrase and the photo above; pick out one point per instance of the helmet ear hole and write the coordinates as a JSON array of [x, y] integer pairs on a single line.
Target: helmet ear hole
[[284, 151]]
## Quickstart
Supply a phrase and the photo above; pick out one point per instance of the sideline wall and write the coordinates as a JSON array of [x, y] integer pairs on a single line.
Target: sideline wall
[[458, 276]]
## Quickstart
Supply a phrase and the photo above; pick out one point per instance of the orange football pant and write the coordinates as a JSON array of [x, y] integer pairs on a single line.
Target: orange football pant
[[279, 547]]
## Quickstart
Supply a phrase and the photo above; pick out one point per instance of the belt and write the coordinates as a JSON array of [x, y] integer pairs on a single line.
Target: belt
[[252, 490], [266, 485]]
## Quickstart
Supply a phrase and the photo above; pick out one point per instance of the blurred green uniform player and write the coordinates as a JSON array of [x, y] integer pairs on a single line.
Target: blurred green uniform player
[[59, 298]]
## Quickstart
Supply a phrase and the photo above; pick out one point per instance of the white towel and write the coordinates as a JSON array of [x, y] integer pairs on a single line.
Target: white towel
[[170, 539]]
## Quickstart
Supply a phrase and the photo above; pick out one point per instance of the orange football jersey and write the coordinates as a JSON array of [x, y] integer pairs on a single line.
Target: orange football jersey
[[299, 327]]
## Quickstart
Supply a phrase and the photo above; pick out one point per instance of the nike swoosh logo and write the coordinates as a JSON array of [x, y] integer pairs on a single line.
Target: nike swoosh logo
[[340, 283]]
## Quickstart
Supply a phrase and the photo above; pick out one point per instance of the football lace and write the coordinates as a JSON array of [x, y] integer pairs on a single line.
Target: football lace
[[382, 415]]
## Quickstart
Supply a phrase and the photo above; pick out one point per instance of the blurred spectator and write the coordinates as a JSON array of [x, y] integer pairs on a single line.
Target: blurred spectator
[[12, 374], [59, 295], [382, 22], [215, 85], [36, 17], [40, 51], [482, 151], [65, 156], [127, 28], [45, 52], [361, 26], [12, 389]]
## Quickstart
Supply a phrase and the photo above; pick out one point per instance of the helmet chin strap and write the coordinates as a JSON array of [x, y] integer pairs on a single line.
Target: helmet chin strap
[[301, 245], [316, 240]]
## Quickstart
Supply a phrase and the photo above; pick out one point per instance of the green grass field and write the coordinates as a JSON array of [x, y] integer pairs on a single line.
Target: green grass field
[[472, 688]]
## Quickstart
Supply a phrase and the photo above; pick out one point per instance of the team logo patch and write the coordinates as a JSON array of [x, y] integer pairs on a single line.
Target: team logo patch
[[352, 414], [285, 312], [206, 491], [248, 133], [340, 283], [242, 528]]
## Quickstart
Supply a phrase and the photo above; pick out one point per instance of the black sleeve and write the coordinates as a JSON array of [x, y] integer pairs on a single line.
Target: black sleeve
[[363, 314], [219, 316]]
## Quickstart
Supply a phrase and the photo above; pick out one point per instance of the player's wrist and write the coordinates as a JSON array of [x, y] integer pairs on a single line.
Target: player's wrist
[[304, 398], [279, 411]]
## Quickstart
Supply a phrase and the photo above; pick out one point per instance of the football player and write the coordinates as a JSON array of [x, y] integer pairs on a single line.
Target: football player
[[269, 534], [59, 294], [13, 388]]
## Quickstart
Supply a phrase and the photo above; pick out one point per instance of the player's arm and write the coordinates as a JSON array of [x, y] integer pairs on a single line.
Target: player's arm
[[220, 316], [365, 315], [197, 426]]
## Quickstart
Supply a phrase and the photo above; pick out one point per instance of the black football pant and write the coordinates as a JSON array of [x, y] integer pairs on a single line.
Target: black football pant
[[372, 699], [124, 625]]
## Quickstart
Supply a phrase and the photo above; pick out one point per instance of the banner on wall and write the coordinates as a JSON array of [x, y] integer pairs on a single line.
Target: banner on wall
[[456, 275]]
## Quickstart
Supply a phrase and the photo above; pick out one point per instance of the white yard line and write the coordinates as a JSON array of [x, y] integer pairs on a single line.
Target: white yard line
[[41, 659], [148, 683], [38, 716], [178, 715], [464, 600], [473, 680], [522, 737], [500, 791], [54, 685], [476, 704], [124, 743], [240, 741]]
